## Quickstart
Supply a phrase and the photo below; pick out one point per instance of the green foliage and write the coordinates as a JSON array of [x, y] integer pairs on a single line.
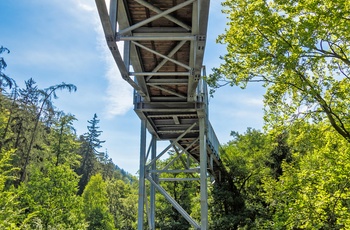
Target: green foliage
[[238, 202], [46, 106], [96, 204], [294, 176], [299, 50], [63, 142], [294, 181], [5, 81], [51, 194], [122, 204], [39, 152], [9, 211], [313, 192]]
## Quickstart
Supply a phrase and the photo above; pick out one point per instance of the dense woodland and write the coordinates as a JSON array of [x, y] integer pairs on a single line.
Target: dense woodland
[[51, 178], [295, 174]]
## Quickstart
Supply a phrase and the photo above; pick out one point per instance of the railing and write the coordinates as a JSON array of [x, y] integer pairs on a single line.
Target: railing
[[202, 96], [213, 141]]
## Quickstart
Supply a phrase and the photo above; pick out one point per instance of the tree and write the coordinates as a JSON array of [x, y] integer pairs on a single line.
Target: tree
[[300, 51], [89, 152], [238, 202], [121, 203], [5, 81], [62, 140], [313, 191], [46, 103], [50, 193], [96, 204], [9, 106], [9, 205]]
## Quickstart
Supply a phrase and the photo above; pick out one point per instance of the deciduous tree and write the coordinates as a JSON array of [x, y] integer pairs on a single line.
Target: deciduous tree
[[299, 49], [96, 204]]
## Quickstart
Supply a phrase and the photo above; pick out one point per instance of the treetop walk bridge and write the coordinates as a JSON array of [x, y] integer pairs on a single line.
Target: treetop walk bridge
[[163, 49]]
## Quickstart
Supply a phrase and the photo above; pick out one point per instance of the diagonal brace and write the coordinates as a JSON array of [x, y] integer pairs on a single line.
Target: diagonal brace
[[155, 17], [168, 90], [169, 17], [174, 203], [172, 53], [161, 55], [172, 144]]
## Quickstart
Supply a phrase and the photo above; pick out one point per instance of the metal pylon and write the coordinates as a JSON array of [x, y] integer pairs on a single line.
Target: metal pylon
[[149, 172]]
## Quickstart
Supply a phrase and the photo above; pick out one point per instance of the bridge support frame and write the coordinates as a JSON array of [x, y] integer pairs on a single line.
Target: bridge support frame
[[170, 96], [150, 173]]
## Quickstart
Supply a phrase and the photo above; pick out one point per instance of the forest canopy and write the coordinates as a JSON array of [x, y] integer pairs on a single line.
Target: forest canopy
[[51, 178], [294, 174], [299, 50]]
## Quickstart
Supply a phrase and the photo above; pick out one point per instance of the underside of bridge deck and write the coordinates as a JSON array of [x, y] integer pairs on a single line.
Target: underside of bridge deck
[[162, 59]]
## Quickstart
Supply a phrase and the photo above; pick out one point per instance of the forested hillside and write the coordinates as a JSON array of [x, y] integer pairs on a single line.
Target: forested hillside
[[50, 178]]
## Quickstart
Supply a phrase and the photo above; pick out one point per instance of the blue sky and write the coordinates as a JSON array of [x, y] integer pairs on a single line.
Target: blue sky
[[62, 41]]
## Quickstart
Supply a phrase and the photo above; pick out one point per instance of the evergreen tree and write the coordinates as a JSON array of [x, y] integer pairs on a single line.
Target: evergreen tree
[[89, 152], [45, 98], [5, 81], [62, 141]]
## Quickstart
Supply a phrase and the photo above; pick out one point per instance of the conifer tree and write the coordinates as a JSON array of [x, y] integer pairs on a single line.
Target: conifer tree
[[89, 152]]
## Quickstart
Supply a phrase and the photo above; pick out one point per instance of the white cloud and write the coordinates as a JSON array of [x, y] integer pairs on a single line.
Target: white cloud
[[118, 96], [119, 92], [86, 6]]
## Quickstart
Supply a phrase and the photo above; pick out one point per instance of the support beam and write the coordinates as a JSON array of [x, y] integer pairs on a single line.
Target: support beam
[[172, 52], [113, 9], [203, 174], [173, 92], [151, 19], [160, 74], [157, 37], [154, 178], [142, 190], [165, 50], [169, 146], [110, 38], [179, 179], [176, 205], [169, 17], [163, 56]]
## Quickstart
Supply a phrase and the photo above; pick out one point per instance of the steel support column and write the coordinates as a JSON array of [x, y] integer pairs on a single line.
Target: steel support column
[[154, 178], [113, 9], [203, 173], [142, 189]]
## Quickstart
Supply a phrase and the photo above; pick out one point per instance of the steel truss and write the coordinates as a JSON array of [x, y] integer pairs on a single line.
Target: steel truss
[[133, 35], [164, 42], [149, 172]]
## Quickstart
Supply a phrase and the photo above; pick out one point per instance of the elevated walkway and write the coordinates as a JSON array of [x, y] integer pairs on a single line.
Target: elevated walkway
[[164, 43]]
